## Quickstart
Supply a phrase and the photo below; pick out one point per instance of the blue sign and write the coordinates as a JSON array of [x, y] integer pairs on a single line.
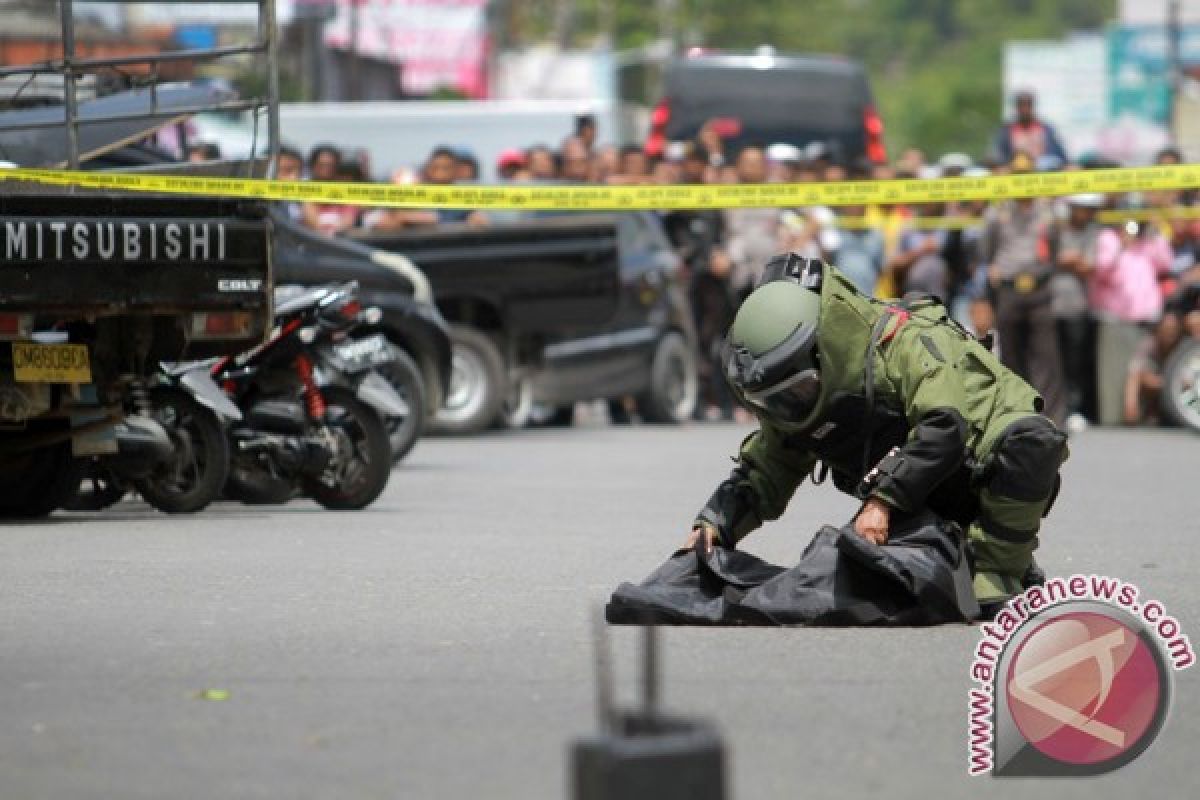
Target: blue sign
[[1138, 75]]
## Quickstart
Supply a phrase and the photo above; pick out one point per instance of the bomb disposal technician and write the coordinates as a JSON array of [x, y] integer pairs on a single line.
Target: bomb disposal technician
[[902, 406]]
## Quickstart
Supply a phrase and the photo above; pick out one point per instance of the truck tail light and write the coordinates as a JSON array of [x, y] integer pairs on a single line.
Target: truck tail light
[[656, 142], [16, 326], [222, 325], [660, 116], [873, 126]]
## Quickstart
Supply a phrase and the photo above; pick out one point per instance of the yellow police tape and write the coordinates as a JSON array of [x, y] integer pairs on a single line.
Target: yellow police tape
[[528, 197]]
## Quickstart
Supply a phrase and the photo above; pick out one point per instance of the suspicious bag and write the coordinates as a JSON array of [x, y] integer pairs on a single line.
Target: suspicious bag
[[920, 577]]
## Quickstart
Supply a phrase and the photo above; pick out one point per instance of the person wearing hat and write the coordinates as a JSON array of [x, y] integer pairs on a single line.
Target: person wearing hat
[[783, 160], [954, 165], [510, 163], [903, 408]]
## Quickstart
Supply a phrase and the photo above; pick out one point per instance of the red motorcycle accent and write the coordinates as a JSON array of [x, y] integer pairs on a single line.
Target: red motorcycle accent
[[314, 402]]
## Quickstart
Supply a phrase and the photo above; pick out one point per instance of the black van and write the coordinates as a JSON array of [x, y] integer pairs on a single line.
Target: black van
[[766, 98]]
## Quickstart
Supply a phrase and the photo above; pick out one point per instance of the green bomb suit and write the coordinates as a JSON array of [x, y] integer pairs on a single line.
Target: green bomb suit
[[937, 422]]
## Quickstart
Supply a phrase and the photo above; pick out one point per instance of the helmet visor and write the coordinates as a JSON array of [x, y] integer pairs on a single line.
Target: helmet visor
[[790, 400]]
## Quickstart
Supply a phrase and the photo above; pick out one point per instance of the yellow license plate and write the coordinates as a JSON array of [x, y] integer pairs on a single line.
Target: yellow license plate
[[51, 363]]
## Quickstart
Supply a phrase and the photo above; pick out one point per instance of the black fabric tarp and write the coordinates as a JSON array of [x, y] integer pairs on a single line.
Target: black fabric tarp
[[920, 577]]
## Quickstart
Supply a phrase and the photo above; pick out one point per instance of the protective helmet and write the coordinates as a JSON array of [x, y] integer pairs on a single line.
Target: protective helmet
[[770, 356]]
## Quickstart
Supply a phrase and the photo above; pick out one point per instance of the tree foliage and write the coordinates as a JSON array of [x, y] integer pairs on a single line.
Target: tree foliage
[[935, 65]]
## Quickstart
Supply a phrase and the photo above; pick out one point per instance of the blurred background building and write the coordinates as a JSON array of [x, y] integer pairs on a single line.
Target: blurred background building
[[1117, 77]]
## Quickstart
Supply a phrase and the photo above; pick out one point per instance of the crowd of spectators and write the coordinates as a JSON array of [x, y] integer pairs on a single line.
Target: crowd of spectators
[[1087, 294]]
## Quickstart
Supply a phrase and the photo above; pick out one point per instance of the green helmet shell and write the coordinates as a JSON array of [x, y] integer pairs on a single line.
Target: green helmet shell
[[772, 313]]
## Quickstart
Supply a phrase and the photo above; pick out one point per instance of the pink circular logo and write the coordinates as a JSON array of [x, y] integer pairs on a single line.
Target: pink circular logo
[[1084, 688]]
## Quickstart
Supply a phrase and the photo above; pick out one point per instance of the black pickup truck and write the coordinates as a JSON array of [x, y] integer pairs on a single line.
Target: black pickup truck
[[555, 309], [95, 290]]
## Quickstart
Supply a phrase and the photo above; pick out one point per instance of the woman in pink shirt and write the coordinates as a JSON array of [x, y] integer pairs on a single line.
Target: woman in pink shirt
[[1129, 263]]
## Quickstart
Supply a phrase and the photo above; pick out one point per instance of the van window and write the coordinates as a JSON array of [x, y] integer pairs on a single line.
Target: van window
[[772, 98]]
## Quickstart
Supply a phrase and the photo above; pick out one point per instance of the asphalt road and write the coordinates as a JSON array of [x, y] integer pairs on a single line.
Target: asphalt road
[[438, 644]]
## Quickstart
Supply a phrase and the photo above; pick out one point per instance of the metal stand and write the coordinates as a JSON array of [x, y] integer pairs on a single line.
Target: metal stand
[[644, 754]]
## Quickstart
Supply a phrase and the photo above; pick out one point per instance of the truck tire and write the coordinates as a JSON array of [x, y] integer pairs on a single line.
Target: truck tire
[[405, 377], [671, 397], [98, 489], [561, 417], [201, 459], [35, 483], [1181, 385], [478, 383], [517, 409]]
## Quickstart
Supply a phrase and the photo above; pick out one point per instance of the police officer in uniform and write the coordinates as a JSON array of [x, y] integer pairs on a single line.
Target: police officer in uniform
[[900, 405]]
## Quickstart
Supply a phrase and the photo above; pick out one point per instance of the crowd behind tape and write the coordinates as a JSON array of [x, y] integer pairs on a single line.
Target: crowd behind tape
[[537, 197]]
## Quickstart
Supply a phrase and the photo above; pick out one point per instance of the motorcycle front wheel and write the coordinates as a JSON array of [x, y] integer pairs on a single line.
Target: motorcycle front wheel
[[362, 456], [200, 463]]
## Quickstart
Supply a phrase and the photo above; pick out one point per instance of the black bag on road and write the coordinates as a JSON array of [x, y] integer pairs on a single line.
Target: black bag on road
[[920, 577]]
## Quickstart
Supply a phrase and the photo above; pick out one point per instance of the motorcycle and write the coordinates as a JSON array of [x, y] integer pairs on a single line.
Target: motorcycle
[[311, 423], [358, 356], [172, 449]]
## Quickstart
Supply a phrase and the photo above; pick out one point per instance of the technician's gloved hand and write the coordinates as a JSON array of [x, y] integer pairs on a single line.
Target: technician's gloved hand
[[872, 521], [708, 537]]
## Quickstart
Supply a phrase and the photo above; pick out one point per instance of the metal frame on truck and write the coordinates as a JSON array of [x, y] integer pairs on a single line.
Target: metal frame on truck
[[71, 67]]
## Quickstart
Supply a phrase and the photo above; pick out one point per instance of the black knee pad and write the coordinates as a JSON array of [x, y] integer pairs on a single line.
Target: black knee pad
[[1026, 460]]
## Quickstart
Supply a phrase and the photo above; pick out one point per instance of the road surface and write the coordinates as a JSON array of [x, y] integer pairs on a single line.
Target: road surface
[[437, 645]]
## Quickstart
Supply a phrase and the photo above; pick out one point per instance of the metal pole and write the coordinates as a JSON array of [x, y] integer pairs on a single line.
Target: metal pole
[[67, 13], [353, 71], [649, 670], [1174, 70], [271, 37], [605, 708]]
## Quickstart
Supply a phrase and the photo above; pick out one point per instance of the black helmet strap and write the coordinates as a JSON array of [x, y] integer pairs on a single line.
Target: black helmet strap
[[808, 272]]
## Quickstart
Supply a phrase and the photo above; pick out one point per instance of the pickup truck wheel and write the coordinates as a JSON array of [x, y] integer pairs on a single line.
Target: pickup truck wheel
[[674, 385], [405, 377], [561, 417], [200, 463], [1181, 385], [33, 484], [98, 489], [478, 383], [518, 404]]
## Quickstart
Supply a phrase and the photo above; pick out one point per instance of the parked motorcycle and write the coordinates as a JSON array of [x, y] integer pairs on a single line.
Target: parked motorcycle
[[172, 449], [359, 356], [310, 425]]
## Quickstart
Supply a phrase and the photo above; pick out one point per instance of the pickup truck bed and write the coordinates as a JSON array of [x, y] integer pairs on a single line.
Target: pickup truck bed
[[540, 275], [554, 309]]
